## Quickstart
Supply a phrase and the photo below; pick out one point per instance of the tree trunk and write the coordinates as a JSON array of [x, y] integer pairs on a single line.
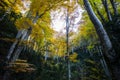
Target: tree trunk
[[100, 30], [103, 63], [105, 41], [14, 45], [20, 47], [14, 54], [67, 44]]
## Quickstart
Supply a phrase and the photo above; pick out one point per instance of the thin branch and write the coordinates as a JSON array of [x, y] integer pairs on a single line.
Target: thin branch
[[105, 4], [114, 6], [98, 12]]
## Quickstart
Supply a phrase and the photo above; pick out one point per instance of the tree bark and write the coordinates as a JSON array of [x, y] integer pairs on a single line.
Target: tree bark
[[105, 41]]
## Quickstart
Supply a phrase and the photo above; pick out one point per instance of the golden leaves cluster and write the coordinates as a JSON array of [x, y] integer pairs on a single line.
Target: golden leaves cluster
[[13, 5], [73, 57]]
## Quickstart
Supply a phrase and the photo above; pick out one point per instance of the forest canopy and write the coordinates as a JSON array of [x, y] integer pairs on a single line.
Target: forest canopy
[[84, 46]]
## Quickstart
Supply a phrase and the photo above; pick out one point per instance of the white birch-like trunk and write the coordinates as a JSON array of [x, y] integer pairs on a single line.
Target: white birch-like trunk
[[14, 44], [17, 52], [46, 55], [67, 45]]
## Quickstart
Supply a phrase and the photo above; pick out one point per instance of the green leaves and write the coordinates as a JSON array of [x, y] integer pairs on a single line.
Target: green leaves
[[89, 61]]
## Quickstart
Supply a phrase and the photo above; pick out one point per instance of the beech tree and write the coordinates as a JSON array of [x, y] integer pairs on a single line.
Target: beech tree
[[103, 36], [35, 12]]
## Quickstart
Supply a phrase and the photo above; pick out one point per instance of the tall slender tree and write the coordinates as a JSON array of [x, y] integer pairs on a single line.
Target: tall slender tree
[[104, 38]]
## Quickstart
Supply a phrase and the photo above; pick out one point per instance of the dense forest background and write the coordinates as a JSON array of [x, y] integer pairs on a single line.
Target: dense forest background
[[88, 48]]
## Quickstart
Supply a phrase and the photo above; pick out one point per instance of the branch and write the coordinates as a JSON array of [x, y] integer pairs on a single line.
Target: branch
[[105, 4], [114, 6], [98, 12]]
